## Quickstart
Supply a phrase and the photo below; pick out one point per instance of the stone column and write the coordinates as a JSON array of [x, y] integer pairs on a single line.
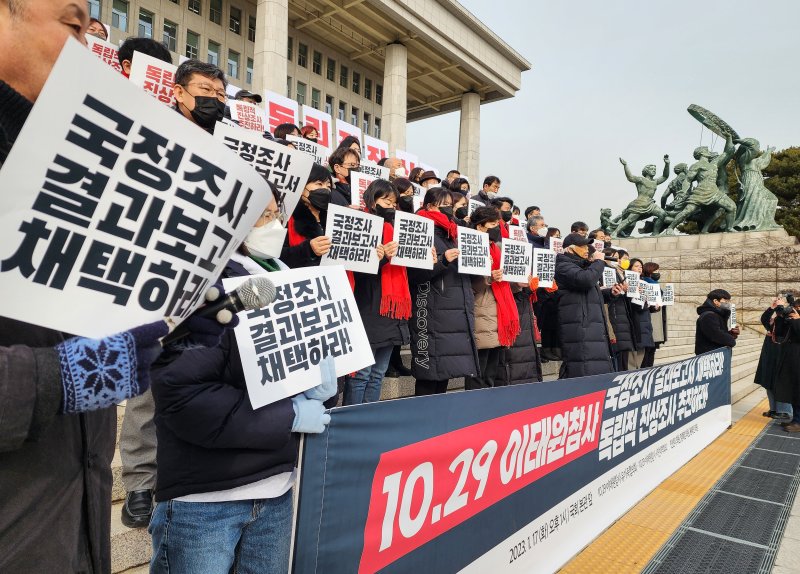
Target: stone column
[[469, 138], [395, 102], [272, 35]]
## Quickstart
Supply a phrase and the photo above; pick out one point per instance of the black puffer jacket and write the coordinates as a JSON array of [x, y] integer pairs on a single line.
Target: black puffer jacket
[[381, 331], [770, 353], [443, 318], [787, 334], [620, 315], [340, 194], [304, 224], [520, 363], [643, 326], [584, 338], [711, 330]]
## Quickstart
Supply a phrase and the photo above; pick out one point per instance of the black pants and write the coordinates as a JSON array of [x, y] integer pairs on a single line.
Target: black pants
[[423, 388], [488, 361], [649, 357]]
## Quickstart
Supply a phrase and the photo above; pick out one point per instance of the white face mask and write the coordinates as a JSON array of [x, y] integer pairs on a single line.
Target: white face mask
[[266, 241], [400, 172], [491, 194], [541, 232]]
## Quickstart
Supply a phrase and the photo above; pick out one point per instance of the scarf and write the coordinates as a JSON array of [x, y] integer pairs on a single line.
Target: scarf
[[440, 220], [504, 230], [295, 239], [507, 314], [395, 295]]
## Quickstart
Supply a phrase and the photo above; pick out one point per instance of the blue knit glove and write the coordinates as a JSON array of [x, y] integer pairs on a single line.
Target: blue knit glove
[[327, 388], [309, 415], [97, 373]]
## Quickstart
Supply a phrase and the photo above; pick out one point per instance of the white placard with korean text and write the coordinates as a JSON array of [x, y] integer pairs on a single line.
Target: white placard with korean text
[[516, 260], [473, 205], [517, 233], [375, 170], [409, 160], [544, 266], [106, 51], [668, 294], [557, 245], [316, 151], [355, 236], [248, 116], [374, 149], [154, 76], [414, 235], [359, 182], [474, 257], [343, 129], [732, 318], [632, 277], [609, 277], [322, 122], [279, 110]]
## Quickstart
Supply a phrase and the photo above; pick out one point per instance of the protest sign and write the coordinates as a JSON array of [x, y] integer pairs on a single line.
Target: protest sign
[[313, 316], [544, 266], [557, 245], [641, 294], [516, 260], [474, 257], [419, 196], [732, 317], [322, 122], [359, 182], [374, 170], [414, 235], [632, 277], [473, 205], [248, 116], [343, 129], [428, 167], [652, 293], [374, 150], [279, 110], [409, 160], [106, 51], [668, 294], [517, 233], [106, 223], [285, 167], [609, 277], [598, 245], [154, 76], [355, 236], [319, 153], [509, 479]]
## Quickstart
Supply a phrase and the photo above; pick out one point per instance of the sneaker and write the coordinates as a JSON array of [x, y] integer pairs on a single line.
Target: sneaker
[[782, 417], [137, 509]]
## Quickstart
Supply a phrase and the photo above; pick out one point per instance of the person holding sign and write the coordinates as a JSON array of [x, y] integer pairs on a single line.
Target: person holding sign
[[383, 300], [496, 316], [443, 316], [712, 324], [306, 241], [643, 327], [620, 314], [658, 317]]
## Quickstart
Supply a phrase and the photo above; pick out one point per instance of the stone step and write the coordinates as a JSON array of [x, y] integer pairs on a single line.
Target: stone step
[[743, 387], [130, 547], [741, 347]]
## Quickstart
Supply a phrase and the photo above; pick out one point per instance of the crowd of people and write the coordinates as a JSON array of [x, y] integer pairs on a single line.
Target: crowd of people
[[210, 476]]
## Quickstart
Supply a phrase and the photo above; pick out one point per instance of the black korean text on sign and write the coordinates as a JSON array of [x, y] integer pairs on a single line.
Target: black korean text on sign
[[473, 253]]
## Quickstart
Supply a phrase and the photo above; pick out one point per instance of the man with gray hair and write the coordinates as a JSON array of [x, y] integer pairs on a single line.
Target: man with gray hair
[[537, 231]]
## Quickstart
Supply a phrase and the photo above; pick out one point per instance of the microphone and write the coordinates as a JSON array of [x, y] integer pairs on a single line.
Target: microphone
[[255, 293]]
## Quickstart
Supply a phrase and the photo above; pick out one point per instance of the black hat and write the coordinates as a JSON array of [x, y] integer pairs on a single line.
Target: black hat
[[247, 94], [575, 239], [428, 175]]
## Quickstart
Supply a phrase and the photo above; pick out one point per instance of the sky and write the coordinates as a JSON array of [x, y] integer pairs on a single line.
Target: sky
[[613, 78]]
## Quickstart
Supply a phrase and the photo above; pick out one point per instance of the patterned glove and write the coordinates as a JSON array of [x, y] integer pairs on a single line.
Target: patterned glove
[[327, 388], [309, 415], [97, 373]]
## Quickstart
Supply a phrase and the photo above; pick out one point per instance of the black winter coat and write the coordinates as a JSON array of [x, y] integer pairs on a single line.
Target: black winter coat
[[584, 338], [443, 318], [643, 327], [520, 362], [787, 368], [766, 371], [381, 331], [546, 311], [711, 331], [209, 437], [305, 224], [340, 194]]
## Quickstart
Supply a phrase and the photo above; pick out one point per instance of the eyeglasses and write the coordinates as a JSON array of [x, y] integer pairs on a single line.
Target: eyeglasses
[[209, 91], [350, 165], [269, 216]]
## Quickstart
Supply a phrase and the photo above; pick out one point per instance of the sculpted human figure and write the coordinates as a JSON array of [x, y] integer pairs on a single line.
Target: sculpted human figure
[[757, 205], [644, 205]]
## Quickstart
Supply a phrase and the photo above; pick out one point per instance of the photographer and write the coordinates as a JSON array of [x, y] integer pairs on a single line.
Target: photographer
[[786, 334], [768, 362], [712, 323]]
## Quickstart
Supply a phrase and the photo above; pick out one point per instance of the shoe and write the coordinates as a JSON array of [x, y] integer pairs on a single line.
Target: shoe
[[782, 417], [786, 424], [137, 509], [792, 427], [769, 414]]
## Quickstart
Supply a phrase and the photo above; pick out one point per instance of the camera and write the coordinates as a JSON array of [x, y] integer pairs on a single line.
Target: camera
[[785, 310]]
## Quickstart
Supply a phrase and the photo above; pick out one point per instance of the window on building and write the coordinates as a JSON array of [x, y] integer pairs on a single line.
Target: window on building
[[290, 49], [251, 28], [315, 96], [356, 82], [342, 110], [193, 6], [213, 53], [94, 9], [249, 72], [288, 86], [171, 35], [377, 130], [379, 94], [329, 105], [233, 64], [344, 74], [192, 43], [215, 11], [302, 55], [354, 116], [368, 88], [119, 15], [301, 93], [145, 24], [316, 65], [330, 72], [365, 123], [235, 21]]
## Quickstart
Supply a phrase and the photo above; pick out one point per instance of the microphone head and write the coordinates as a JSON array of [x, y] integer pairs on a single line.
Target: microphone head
[[256, 293]]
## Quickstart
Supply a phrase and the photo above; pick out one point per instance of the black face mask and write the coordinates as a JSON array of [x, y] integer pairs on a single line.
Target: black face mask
[[319, 198], [312, 140], [207, 111], [606, 245], [406, 203], [447, 210], [656, 276], [494, 234], [506, 216], [462, 212], [386, 212]]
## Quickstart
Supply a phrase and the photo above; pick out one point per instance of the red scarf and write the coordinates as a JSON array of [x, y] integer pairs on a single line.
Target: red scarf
[[440, 220], [296, 239], [395, 295], [507, 315], [504, 230]]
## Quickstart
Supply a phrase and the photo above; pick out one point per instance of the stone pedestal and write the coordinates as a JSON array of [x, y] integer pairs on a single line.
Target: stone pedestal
[[753, 266]]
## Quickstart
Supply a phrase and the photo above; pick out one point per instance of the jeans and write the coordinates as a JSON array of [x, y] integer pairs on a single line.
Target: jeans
[[365, 385], [778, 406], [241, 537]]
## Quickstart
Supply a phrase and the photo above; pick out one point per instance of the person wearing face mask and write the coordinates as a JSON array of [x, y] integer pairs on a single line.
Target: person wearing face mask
[[396, 168], [585, 342], [515, 215], [460, 208], [199, 91], [442, 323], [310, 133], [620, 317], [496, 316], [306, 241], [428, 179], [489, 191], [415, 174], [624, 259], [658, 315], [383, 299], [644, 353], [406, 190], [343, 161], [711, 329], [546, 311], [537, 232], [504, 204], [460, 184]]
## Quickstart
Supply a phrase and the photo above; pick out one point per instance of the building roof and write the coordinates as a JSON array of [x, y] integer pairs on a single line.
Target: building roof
[[450, 51]]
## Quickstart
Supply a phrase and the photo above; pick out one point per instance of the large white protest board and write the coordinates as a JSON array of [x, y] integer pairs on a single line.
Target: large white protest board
[[374, 149], [544, 266], [409, 160], [474, 257], [279, 110], [517, 233], [313, 316], [315, 150], [343, 129], [285, 167], [355, 236], [516, 260], [609, 277], [473, 205], [110, 220], [375, 170], [652, 293], [414, 235], [322, 122], [106, 51], [732, 317], [248, 116], [668, 294], [632, 277], [359, 182], [557, 245], [154, 76]]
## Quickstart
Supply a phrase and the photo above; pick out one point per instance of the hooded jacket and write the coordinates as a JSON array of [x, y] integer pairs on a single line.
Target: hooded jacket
[[711, 331]]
